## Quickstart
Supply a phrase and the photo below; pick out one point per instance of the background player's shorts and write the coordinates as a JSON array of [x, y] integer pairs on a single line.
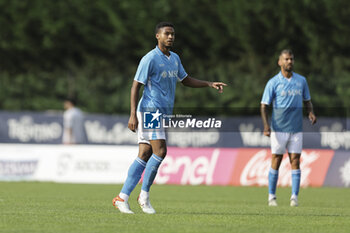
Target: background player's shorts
[[280, 141], [145, 135]]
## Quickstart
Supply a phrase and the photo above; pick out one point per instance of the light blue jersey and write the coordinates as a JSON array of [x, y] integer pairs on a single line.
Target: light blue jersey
[[286, 96], [160, 74]]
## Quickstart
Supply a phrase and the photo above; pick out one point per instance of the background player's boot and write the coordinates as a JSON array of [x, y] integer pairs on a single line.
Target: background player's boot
[[273, 202], [122, 205], [146, 205], [294, 202]]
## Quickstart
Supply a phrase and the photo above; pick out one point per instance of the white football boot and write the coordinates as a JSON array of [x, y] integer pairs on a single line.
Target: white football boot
[[273, 202], [146, 205], [122, 205], [294, 202]]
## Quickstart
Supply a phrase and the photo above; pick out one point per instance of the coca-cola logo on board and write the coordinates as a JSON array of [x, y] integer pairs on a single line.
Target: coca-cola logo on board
[[256, 170]]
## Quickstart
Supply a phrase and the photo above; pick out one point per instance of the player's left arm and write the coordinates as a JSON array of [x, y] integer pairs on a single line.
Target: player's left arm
[[196, 83], [310, 111], [308, 104], [265, 117]]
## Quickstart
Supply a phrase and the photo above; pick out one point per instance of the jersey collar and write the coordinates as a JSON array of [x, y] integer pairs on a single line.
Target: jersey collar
[[284, 78], [160, 53]]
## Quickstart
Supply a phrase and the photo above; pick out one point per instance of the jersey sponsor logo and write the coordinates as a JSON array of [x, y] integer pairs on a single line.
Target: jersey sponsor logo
[[172, 73], [294, 92], [169, 73]]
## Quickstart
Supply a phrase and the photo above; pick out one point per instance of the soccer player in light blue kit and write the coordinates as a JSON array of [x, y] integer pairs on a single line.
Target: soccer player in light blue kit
[[159, 71], [286, 92]]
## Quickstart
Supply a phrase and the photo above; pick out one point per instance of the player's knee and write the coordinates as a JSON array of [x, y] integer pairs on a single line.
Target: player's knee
[[161, 152], [276, 161], [295, 163], [145, 155]]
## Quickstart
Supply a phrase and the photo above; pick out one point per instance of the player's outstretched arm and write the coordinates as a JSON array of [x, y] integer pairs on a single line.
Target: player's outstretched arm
[[134, 97], [195, 83], [310, 111], [264, 117]]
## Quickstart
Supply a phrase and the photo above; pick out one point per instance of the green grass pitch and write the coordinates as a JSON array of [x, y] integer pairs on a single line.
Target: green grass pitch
[[51, 207]]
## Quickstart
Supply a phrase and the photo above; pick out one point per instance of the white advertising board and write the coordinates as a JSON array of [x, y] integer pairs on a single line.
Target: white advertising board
[[66, 163]]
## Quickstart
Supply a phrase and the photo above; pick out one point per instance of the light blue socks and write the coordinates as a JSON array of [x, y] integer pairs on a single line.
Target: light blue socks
[[273, 178], [134, 176], [151, 172], [295, 182]]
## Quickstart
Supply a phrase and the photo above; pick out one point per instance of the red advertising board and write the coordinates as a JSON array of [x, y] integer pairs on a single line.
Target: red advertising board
[[209, 166], [239, 167], [252, 166]]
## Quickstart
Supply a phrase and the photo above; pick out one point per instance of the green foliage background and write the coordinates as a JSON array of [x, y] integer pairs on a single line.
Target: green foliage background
[[91, 49]]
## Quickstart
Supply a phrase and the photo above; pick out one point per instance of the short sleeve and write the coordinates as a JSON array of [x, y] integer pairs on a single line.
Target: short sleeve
[[181, 73], [68, 119], [143, 70], [268, 93], [306, 92]]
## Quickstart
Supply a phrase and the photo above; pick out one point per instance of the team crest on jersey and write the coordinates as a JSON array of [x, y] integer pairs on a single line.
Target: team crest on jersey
[[164, 74]]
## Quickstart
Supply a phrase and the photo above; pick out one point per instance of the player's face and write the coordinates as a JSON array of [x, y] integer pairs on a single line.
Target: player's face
[[166, 36], [286, 62], [67, 104]]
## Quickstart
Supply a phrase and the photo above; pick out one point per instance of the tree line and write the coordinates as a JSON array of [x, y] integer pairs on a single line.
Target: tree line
[[91, 49]]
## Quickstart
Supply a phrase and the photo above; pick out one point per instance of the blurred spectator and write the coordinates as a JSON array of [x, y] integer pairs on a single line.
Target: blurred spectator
[[73, 123]]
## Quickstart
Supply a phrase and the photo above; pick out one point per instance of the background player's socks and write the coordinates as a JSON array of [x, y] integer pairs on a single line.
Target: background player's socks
[[134, 175], [273, 178], [295, 181], [151, 172]]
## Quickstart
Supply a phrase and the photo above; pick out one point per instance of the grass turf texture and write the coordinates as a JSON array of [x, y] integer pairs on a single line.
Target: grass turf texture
[[50, 207]]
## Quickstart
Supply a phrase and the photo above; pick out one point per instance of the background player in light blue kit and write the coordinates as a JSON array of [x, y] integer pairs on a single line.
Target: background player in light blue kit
[[159, 71], [286, 92]]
